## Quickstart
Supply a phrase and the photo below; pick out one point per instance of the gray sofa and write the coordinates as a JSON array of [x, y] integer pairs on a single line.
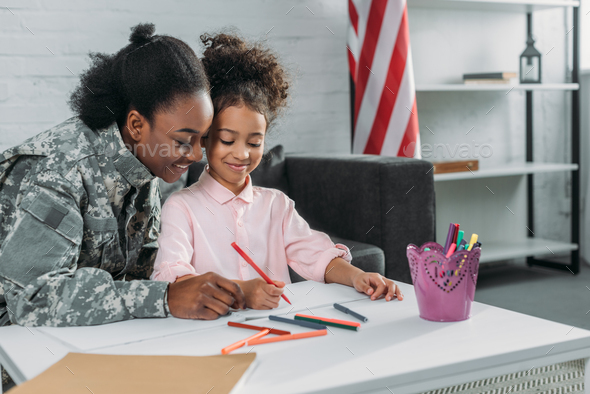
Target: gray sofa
[[374, 205]]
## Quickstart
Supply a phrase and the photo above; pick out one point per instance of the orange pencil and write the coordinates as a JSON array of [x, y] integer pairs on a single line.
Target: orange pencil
[[309, 334], [337, 321], [253, 264], [239, 344]]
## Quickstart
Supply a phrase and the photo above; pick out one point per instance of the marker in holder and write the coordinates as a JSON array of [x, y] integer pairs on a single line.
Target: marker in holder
[[444, 287]]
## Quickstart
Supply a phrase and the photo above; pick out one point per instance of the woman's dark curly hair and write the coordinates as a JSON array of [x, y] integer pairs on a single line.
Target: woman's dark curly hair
[[245, 73], [148, 75]]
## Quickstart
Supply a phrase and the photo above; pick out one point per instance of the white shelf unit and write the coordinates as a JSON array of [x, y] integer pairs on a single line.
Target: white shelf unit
[[458, 87], [494, 5], [470, 202], [513, 169], [497, 251]]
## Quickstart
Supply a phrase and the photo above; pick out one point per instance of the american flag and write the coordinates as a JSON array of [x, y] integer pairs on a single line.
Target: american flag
[[380, 62]]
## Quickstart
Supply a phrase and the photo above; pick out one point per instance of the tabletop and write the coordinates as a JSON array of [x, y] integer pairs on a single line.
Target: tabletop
[[395, 351]]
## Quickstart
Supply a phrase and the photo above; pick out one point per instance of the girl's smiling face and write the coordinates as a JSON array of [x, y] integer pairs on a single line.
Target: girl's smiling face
[[235, 145]]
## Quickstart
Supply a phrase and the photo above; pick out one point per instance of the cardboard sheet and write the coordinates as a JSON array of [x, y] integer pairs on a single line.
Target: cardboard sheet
[[96, 373]]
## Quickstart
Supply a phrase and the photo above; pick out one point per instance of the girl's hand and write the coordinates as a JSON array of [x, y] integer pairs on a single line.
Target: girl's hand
[[375, 285], [261, 295]]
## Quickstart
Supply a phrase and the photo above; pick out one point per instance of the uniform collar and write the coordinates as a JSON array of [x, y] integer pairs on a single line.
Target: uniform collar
[[220, 193], [124, 161]]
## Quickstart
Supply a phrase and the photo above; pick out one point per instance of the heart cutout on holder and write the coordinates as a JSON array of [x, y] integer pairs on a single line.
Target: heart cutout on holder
[[446, 274]]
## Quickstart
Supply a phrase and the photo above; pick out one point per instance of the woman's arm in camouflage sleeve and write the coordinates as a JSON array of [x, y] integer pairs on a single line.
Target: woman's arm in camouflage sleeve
[[38, 267]]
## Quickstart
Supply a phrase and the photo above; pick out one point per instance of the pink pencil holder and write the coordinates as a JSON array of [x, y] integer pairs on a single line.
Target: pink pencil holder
[[444, 287]]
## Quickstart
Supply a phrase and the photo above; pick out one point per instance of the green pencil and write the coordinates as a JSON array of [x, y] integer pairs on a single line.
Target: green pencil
[[327, 323]]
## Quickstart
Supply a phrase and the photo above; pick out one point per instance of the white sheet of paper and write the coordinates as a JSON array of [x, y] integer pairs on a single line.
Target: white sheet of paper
[[307, 295], [120, 333]]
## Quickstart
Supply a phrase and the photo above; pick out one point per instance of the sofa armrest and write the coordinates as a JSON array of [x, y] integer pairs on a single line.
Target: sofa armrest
[[384, 201]]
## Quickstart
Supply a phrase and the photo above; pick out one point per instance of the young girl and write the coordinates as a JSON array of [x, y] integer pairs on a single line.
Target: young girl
[[249, 90]]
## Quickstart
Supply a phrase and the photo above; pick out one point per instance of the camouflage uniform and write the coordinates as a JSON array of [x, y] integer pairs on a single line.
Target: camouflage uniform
[[79, 219]]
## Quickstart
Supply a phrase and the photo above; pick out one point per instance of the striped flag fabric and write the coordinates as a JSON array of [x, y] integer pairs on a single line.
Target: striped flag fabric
[[380, 62]]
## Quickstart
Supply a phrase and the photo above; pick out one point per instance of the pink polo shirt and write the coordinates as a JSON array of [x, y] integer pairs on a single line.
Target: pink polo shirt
[[199, 224]]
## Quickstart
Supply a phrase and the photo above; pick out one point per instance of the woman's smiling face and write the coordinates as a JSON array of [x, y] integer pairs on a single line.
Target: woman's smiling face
[[235, 145], [172, 141]]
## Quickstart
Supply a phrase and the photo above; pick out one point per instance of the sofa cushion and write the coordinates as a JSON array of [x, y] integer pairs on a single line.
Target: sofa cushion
[[367, 257], [194, 172], [272, 171]]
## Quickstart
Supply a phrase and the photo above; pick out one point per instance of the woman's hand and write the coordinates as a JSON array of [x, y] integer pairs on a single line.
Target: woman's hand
[[261, 295], [206, 296], [376, 285]]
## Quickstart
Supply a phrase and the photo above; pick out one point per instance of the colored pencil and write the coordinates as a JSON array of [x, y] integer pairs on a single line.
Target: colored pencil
[[456, 234], [253, 264], [450, 236], [473, 241], [258, 328], [309, 334], [337, 321], [327, 323], [344, 309], [298, 322], [451, 250], [240, 343]]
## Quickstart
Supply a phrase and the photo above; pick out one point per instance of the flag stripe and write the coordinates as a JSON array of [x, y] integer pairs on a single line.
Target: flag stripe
[[408, 146], [352, 66], [395, 74], [370, 101], [362, 9], [401, 112], [380, 61], [365, 61], [354, 16]]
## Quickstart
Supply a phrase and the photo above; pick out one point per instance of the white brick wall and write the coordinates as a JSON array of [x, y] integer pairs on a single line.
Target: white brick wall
[[35, 82]]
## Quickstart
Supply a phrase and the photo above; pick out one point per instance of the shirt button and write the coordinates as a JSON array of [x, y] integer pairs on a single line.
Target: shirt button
[[240, 223], [244, 264]]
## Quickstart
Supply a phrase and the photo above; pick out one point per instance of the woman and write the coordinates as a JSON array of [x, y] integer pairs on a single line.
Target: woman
[[79, 203]]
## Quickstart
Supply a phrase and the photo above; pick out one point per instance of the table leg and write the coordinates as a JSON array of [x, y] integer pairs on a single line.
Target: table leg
[[587, 375]]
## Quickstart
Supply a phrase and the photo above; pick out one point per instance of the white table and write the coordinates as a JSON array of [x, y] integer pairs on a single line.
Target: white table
[[395, 351]]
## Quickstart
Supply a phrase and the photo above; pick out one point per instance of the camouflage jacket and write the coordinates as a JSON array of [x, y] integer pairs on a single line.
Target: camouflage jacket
[[79, 218]]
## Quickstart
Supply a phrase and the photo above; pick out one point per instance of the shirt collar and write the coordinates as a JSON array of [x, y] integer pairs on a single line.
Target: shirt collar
[[220, 193], [124, 161]]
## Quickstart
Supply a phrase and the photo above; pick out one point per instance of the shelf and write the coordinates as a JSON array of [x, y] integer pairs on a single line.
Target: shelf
[[507, 170], [496, 251], [459, 87], [493, 5]]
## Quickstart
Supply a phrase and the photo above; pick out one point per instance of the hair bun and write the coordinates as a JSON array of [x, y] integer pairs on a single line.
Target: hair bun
[[142, 33]]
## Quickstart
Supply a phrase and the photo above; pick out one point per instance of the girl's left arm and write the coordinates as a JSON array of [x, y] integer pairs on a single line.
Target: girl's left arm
[[370, 283]]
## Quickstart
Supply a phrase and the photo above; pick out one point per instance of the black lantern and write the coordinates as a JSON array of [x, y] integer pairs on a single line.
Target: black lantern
[[530, 60]]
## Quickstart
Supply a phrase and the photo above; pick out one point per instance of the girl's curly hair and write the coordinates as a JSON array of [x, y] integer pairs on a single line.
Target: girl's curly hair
[[245, 73], [149, 75]]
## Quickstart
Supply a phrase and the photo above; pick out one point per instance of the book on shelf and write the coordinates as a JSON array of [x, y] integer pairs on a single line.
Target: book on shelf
[[494, 75], [486, 81], [444, 167], [497, 78]]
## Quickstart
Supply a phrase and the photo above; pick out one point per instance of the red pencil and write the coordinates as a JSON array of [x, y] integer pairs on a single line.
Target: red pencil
[[253, 264], [258, 328], [456, 233]]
